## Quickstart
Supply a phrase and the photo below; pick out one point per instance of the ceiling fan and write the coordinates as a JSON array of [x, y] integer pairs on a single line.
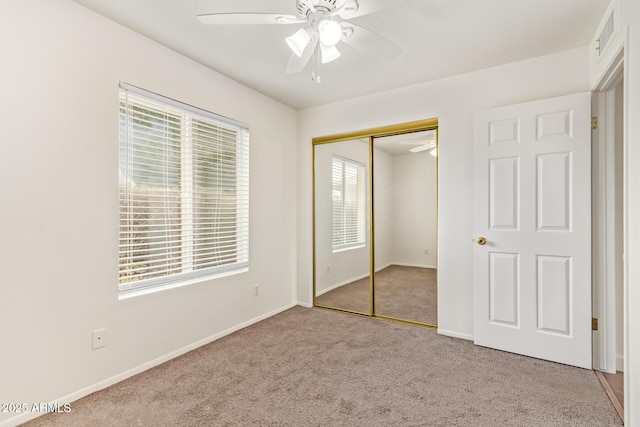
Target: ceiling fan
[[324, 25]]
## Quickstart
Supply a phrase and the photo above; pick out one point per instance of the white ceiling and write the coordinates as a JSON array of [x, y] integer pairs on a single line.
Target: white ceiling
[[440, 38]]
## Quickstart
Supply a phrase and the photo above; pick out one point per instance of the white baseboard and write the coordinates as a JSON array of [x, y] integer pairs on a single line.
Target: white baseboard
[[404, 264], [337, 285], [620, 363], [454, 334], [346, 282], [162, 359], [383, 267], [100, 385], [305, 304]]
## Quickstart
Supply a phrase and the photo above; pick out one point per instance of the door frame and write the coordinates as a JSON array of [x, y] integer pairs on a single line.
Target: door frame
[[605, 276], [616, 70]]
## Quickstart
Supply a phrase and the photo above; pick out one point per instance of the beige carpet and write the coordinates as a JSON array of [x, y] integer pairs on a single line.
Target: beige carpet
[[353, 296], [316, 367], [407, 293], [403, 292]]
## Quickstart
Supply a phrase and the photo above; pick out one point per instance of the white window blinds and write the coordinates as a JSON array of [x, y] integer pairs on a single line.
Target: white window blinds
[[184, 192], [349, 203]]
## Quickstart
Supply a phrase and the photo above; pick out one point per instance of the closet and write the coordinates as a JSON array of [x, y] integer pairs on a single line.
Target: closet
[[375, 222]]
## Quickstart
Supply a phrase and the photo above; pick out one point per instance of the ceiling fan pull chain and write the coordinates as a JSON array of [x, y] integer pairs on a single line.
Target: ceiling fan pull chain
[[314, 66], [317, 64]]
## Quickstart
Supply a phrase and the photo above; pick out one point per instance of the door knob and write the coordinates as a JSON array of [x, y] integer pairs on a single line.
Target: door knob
[[481, 241]]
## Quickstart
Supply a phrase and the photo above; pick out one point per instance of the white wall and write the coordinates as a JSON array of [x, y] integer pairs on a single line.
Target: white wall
[[414, 210], [61, 65], [383, 207], [453, 101]]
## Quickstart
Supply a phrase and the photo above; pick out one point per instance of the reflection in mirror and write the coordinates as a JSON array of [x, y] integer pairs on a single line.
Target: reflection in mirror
[[342, 230], [405, 224]]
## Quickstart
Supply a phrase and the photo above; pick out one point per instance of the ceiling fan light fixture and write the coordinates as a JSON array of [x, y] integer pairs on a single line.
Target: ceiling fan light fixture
[[329, 53], [330, 32], [298, 41], [347, 32]]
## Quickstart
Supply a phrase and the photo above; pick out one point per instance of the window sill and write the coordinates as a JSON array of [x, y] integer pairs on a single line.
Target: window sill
[[123, 295], [349, 248]]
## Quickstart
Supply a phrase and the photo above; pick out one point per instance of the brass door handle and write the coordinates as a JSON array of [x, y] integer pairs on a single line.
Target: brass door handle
[[481, 241]]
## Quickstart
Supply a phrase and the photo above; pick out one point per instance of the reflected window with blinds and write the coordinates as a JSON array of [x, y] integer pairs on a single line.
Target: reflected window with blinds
[[184, 192], [348, 204]]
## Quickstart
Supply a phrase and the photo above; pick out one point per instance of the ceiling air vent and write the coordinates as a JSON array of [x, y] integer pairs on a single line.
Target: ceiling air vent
[[605, 34]]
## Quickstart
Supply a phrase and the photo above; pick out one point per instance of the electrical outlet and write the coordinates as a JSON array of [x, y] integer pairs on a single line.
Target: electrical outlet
[[328, 269], [256, 288], [99, 339], [426, 251]]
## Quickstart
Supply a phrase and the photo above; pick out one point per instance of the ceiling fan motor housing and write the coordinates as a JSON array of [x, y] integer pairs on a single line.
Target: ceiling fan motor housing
[[326, 6]]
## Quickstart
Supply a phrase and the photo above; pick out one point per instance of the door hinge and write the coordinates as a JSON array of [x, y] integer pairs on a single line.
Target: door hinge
[[594, 324], [594, 122]]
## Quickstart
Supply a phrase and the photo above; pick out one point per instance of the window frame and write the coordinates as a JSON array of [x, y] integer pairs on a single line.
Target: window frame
[[189, 245], [361, 214]]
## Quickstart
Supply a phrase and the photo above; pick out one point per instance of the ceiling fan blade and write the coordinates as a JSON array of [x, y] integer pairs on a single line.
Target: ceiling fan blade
[[370, 43], [423, 147], [248, 19], [348, 9], [297, 63]]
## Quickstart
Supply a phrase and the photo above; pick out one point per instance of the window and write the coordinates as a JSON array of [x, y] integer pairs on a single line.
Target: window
[[184, 192], [349, 204]]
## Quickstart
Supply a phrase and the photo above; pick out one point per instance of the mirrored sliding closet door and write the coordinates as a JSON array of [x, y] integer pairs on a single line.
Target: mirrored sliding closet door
[[342, 225], [405, 211], [375, 222]]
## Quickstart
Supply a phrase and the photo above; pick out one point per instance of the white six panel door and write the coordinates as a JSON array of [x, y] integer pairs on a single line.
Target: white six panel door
[[532, 203]]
